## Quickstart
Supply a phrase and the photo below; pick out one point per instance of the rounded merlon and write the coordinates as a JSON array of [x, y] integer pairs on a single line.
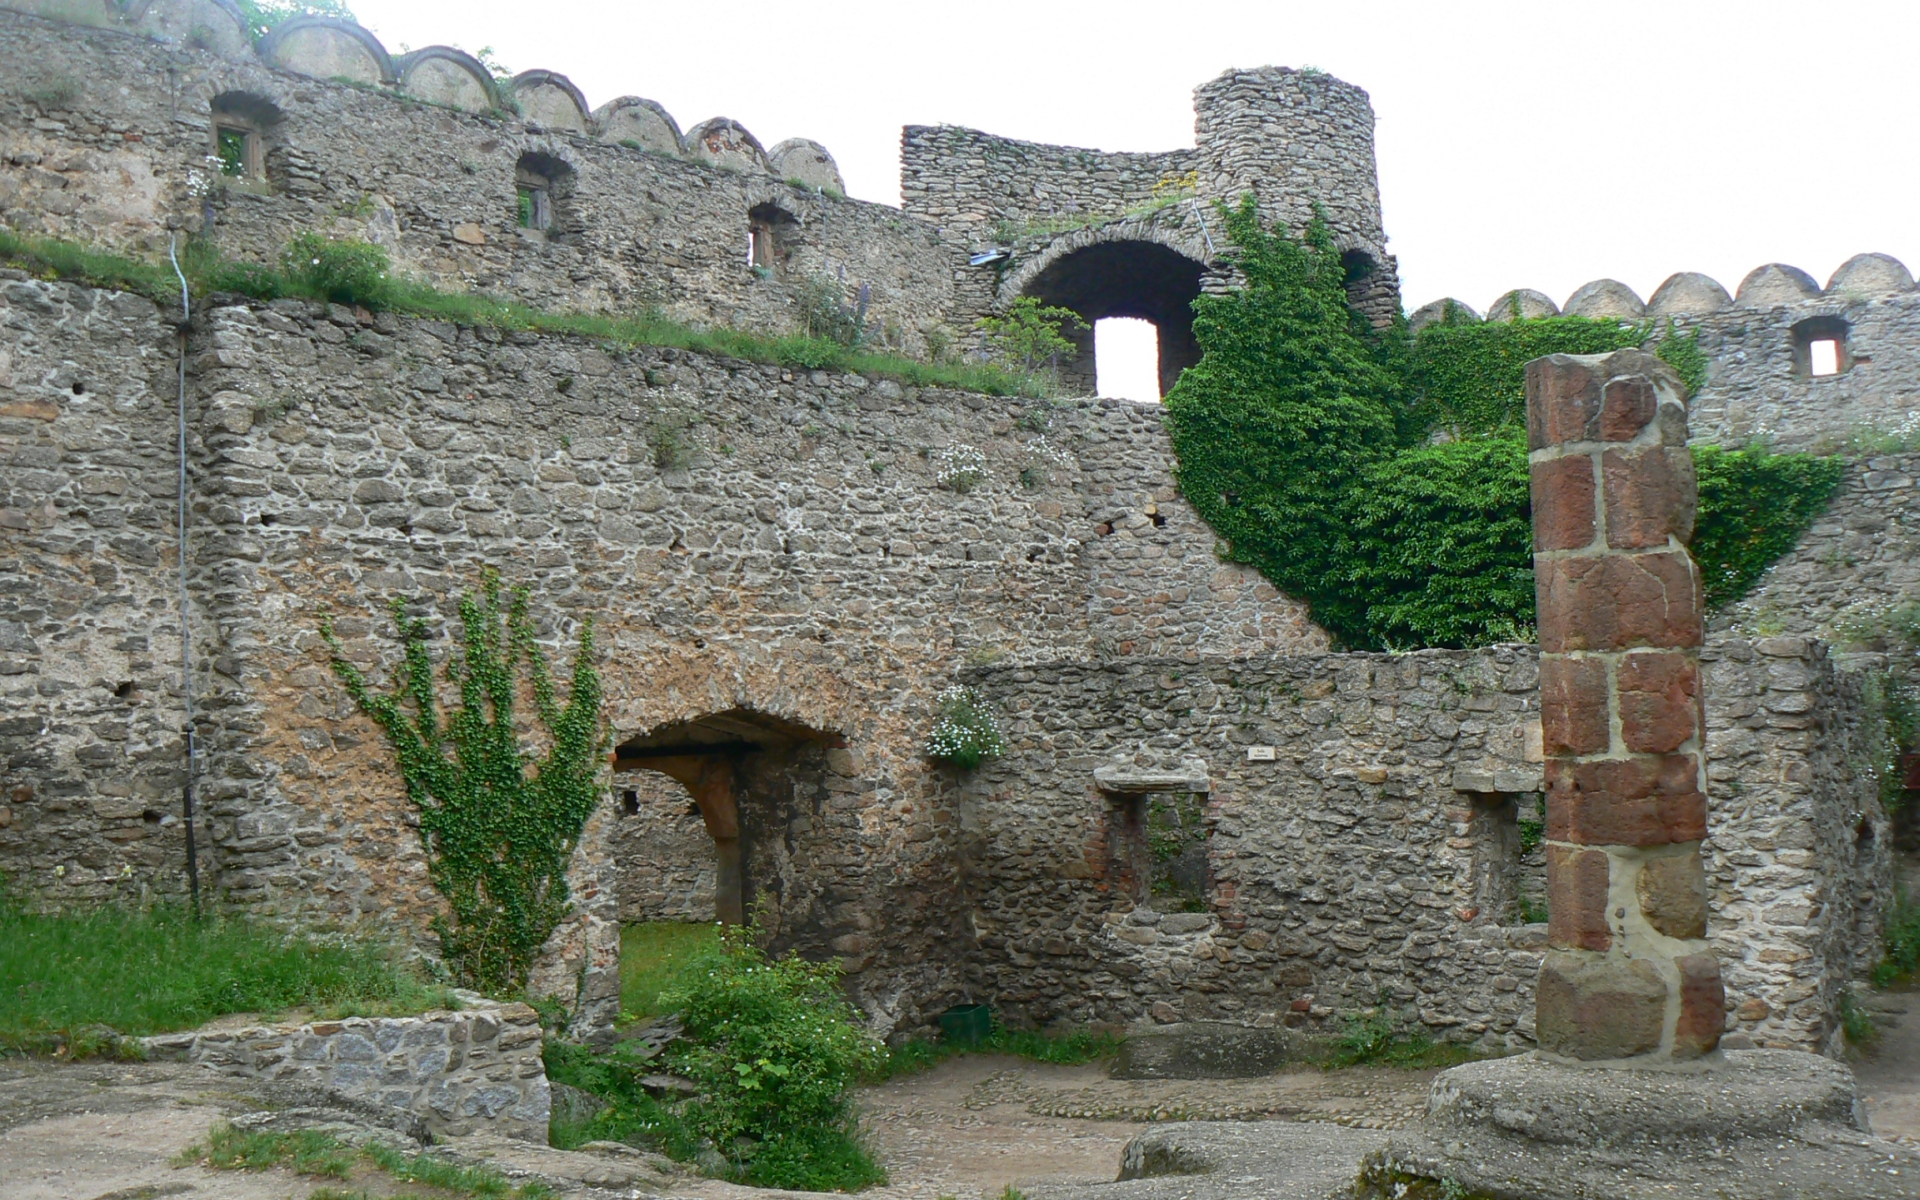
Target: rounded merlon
[[328, 48], [725, 142], [1687, 294], [1445, 311], [447, 75], [640, 121], [1775, 284], [1870, 275], [1605, 298], [1523, 304], [550, 99], [808, 162]]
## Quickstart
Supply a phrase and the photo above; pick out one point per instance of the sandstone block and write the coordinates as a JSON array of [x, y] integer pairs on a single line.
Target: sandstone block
[[1659, 696], [1577, 899], [1593, 1008], [1651, 495], [1650, 801], [1618, 602], [1627, 406], [1673, 895], [1703, 1004], [1573, 706], [1563, 401], [1563, 503]]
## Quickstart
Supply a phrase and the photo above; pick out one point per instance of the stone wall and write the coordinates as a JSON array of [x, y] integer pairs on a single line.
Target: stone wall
[[1384, 848], [101, 134], [1857, 563], [746, 537], [664, 851], [475, 1070], [1799, 857], [92, 755]]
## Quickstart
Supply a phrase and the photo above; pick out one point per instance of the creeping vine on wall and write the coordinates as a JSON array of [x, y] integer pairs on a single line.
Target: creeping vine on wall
[[499, 822], [1382, 477]]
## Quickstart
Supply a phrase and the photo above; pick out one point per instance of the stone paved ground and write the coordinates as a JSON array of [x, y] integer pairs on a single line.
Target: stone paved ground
[[966, 1129]]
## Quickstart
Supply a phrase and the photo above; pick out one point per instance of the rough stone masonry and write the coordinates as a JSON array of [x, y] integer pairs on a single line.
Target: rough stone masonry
[[1629, 972]]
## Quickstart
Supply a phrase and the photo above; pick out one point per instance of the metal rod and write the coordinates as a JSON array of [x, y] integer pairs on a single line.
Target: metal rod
[[186, 630]]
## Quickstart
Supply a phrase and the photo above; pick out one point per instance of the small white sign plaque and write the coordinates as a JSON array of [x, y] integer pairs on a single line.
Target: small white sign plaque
[[1260, 754]]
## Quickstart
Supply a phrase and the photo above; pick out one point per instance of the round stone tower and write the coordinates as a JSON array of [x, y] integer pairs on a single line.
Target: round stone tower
[[1294, 139]]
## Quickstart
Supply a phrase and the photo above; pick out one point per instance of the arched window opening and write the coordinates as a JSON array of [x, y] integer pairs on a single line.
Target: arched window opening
[[770, 238], [1126, 358], [1820, 347], [542, 186], [240, 125], [1150, 283], [1356, 265]]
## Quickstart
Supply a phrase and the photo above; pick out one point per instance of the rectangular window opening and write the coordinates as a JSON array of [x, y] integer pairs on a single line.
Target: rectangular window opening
[[232, 149], [534, 211], [1823, 356]]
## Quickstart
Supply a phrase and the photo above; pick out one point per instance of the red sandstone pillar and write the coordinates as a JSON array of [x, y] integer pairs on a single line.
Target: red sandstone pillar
[[1629, 974]]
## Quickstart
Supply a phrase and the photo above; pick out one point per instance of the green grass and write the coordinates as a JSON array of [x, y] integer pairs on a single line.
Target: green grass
[[651, 955], [322, 1156], [144, 971], [207, 272], [1378, 1037]]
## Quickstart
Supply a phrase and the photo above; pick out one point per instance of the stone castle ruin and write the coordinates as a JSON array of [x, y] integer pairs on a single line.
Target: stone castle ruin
[[781, 582]]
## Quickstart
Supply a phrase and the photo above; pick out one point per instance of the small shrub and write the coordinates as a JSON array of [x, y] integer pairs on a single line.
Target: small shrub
[[774, 1049], [965, 733], [1032, 334], [346, 271], [825, 313], [961, 468], [1856, 1023]]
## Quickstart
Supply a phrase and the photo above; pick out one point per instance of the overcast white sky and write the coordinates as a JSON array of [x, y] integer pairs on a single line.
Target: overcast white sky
[[1538, 144]]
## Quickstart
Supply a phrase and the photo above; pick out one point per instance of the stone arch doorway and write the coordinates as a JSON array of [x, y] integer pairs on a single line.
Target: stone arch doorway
[[757, 782], [1124, 278]]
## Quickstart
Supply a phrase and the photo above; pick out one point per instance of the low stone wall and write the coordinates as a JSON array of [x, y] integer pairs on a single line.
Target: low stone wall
[[472, 1071], [1387, 848]]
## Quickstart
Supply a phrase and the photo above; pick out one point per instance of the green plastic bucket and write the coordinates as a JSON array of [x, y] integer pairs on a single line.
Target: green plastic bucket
[[966, 1024]]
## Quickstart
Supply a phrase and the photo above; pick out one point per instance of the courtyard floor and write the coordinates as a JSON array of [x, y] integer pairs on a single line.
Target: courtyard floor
[[966, 1129]]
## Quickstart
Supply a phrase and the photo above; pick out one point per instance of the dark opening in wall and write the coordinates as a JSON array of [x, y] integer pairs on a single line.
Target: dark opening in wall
[[771, 234], [241, 125], [1820, 347], [543, 191], [1125, 279], [1159, 849]]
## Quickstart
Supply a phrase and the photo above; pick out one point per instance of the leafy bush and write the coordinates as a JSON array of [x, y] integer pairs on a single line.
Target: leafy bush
[[499, 824], [1031, 334], [347, 271], [965, 733], [1902, 941], [138, 971], [774, 1049], [1308, 442]]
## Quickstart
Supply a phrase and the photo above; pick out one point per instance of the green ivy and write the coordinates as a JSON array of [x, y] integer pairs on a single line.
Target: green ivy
[[499, 823], [1754, 505], [1383, 479]]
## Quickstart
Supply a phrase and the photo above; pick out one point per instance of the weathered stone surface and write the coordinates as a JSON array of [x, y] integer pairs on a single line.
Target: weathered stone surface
[[1522, 304], [1765, 1125], [1703, 1006], [1673, 894], [1575, 716], [1577, 899], [1658, 698], [1870, 274], [472, 1070], [1204, 1050], [1231, 1160], [1616, 602], [1651, 497], [1563, 503], [1591, 1007], [1774, 285], [1687, 294], [1604, 298]]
